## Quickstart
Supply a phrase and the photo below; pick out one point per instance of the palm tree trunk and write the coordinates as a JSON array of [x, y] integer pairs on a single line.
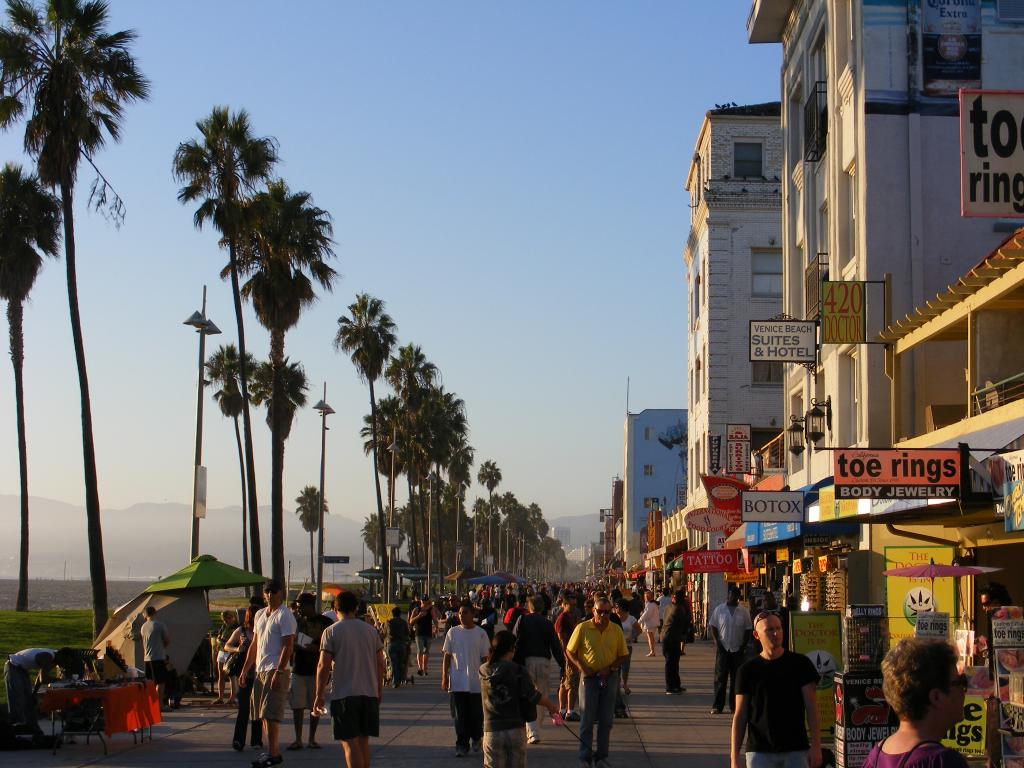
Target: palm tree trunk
[[423, 520], [382, 536], [94, 526], [312, 570], [241, 470], [17, 338], [277, 457], [243, 379]]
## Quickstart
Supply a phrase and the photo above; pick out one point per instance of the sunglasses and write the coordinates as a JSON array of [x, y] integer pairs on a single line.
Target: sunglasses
[[602, 613], [960, 681]]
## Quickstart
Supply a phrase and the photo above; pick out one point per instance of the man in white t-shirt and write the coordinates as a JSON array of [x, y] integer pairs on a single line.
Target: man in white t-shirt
[[21, 693], [275, 639], [731, 630], [465, 647]]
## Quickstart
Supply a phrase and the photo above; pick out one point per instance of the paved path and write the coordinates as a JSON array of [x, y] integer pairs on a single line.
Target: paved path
[[416, 730]]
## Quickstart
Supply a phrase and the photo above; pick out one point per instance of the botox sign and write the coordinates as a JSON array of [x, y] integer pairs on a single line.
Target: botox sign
[[772, 506]]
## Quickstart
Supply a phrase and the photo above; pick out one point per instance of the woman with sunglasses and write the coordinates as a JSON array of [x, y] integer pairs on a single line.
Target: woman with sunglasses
[[924, 689]]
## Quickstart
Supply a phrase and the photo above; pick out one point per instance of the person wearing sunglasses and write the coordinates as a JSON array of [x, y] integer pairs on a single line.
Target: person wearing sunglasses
[[925, 690], [598, 649]]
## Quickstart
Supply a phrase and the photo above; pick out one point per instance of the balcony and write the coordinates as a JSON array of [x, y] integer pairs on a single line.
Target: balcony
[[815, 123], [814, 275], [994, 395]]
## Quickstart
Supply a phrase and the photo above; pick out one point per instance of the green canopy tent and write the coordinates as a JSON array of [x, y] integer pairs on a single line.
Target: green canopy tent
[[206, 572]]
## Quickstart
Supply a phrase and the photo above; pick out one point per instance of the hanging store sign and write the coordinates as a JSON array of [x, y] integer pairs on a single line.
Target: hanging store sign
[[707, 520], [783, 341], [843, 312], [896, 474], [951, 44], [992, 154], [742, 577], [737, 449], [1007, 472], [772, 506], [724, 491], [714, 453], [714, 561]]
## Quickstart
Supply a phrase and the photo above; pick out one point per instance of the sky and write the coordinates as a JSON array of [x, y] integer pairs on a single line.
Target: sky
[[507, 177]]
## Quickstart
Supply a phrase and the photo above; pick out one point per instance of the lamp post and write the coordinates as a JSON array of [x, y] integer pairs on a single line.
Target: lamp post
[[325, 411], [391, 510], [204, 327]]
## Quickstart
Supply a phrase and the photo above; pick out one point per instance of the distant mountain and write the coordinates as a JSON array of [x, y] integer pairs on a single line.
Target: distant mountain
[[584, 528], [152, 540]]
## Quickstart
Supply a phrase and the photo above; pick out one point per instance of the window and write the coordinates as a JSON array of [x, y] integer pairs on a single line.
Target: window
[[746, 158], [765, 374], [650, 502], [648, 470], [851, 190], [766, 273], [648, 433]]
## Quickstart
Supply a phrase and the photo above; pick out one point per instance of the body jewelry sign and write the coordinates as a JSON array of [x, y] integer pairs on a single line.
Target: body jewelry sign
[[896, 474]]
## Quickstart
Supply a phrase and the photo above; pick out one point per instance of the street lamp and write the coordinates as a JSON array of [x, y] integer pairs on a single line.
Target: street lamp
[[325, 410], [204, 327], [819, 418], [796, 435]]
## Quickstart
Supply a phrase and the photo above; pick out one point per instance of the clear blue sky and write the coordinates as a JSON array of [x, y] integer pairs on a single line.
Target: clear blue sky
[[508, 177]]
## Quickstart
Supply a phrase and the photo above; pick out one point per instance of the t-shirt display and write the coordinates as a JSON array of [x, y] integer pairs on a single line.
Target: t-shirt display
[[775, 719]]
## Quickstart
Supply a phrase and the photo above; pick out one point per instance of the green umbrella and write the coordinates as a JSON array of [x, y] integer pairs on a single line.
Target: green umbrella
[[206, 572]]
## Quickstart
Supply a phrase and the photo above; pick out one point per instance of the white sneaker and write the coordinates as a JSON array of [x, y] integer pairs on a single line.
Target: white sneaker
[[533, 739]]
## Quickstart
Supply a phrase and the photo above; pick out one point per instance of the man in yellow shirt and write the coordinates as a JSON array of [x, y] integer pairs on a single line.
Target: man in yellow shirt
[[598, 648]]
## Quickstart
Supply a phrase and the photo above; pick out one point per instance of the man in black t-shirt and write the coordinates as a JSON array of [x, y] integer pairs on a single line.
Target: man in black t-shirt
[[774, 692]]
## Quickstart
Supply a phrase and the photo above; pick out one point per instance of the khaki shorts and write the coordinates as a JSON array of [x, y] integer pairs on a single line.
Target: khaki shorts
[[571, 677], [301, 691], [268, 703]]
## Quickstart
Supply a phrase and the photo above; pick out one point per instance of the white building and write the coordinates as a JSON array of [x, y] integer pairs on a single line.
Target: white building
[[655, 473], [870, 185], [734, 275]]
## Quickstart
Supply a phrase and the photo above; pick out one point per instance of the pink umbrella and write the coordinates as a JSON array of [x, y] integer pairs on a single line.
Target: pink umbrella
[[935, 571]]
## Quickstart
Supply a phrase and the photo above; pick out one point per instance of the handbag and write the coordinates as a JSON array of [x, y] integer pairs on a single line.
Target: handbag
[[237, 660]]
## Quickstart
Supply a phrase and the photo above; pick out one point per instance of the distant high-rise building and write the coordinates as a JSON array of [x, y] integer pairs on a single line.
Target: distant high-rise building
[[564, 535]]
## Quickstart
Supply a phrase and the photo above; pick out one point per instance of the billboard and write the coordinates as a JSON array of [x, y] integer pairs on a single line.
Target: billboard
[[950, 46], [932, 473], [992, 154], [783, 341], [905, 597]]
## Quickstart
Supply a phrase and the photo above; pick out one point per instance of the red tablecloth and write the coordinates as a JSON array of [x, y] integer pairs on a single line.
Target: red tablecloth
[[126, 707]]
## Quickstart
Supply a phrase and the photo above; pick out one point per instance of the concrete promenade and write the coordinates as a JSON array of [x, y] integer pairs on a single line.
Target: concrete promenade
[[416, 730]]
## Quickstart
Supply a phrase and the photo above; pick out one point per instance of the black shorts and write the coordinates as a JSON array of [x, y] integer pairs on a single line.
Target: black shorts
[[156, 671], [355, 716]]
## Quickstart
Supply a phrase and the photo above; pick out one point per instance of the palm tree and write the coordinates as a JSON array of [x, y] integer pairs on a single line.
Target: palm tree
[[489, 476], [460, 475], [307, 507], [29, 230], [282, 253], [368, 337], [221, 170], [72, 78], [223, 368]]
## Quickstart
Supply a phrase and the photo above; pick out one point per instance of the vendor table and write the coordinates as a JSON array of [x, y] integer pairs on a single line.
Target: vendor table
[[122, 708]]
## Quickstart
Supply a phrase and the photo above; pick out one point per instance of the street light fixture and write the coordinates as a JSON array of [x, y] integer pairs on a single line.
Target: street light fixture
[[818, 419], [325, 410], [796, 435], [204, 327]]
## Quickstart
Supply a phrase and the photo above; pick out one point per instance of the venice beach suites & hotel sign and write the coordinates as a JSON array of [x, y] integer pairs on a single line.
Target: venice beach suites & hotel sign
[[932, 473], [783, 341]]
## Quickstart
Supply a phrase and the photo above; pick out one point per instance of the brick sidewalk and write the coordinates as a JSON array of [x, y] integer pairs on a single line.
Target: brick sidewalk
[[416, 729]]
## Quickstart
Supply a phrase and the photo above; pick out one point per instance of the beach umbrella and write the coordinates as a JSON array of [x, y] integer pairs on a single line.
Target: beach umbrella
[[206, 572], [494, 579], [462, 575], [935, 571]]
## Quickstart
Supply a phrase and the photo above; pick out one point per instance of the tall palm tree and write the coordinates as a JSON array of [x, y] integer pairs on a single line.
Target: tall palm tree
[[460, 475], [282, 253], [368, 337], [221, 170], [489, 476], [29, 230], [222, 367], [307, 507], [73, 78]]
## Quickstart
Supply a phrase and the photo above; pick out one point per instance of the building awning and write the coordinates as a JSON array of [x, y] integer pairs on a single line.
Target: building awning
[[770, 533], [737, 539], [983, 442]]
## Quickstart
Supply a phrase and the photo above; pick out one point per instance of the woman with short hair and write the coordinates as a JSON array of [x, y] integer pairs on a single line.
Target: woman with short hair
[[925, 690]]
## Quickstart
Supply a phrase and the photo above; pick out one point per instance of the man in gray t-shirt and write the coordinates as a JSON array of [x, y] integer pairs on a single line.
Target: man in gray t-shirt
[[352, 665], [155, 639]]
